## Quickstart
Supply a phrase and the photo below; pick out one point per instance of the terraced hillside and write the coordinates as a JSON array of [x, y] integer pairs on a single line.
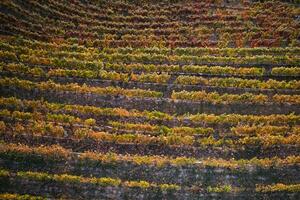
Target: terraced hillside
[[149, 99]]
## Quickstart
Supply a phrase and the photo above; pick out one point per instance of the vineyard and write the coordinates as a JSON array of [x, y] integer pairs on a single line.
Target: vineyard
[[149, 99]]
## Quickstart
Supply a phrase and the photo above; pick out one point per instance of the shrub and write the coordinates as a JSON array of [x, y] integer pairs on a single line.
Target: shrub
[[168, 187], [139, 184], [107, 181], [90, 122], [218, 189]]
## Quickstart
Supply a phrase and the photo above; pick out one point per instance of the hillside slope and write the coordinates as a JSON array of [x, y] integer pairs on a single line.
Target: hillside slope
[[155, 100]]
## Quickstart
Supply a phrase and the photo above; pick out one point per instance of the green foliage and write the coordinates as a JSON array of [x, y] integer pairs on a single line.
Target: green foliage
[[8, 196], [169, 187], [138, 184], [279, 187], [4, 173], [220, 189]]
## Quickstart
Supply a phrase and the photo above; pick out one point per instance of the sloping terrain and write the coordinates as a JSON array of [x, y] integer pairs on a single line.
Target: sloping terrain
[[149, 99]]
